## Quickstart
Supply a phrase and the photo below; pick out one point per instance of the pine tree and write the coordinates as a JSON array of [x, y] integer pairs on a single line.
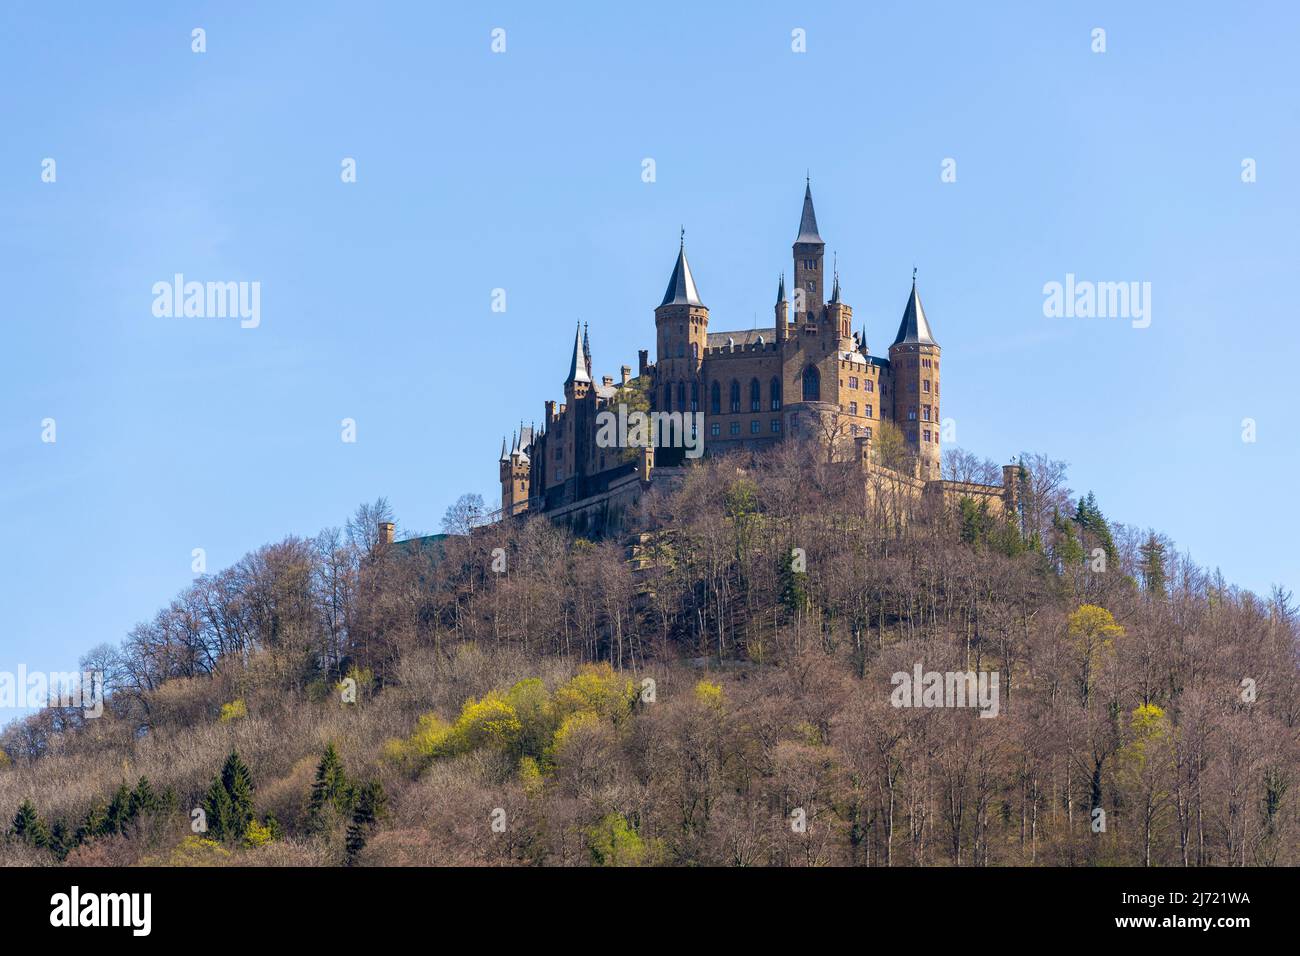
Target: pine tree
[[143, 799], [1089, 518], [61, 843], [331, 789], [371, 802], [29, 828], [219, 812], [1152, 565], [118, 815], [238, 783]]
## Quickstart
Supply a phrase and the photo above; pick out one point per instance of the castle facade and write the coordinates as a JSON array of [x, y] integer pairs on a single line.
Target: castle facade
[[809, 375]]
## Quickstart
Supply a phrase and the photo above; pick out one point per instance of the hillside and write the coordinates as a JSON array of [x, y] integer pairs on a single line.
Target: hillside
[[723, 691]]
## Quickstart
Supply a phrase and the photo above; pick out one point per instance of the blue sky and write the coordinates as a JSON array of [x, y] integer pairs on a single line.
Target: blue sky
[[522, 171]]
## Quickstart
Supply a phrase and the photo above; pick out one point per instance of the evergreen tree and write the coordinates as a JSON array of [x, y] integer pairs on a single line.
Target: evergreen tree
[[370, 805], [794, 585], [1089, 518], [118, 815], [238, 783], [331, 789], [93, 825], [1066, 549], [28, 827], [143, 799], [1152, 565], [219, 811], [61, 842]]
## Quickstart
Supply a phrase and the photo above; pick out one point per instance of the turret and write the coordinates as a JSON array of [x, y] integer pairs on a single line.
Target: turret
[[782, 312], [682, 324], [809, 251], [914, 361]]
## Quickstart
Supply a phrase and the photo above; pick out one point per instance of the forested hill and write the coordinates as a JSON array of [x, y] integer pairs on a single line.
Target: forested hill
[[727, 689]]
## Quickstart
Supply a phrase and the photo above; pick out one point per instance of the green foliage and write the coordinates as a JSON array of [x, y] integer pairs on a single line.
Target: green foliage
[[29, 828], [1152, 565], [1093, 525], [597, 688], [794, 584], [228, 802], [370, 808], [331, 792], [235, 710], [975, 522], [614, 842]]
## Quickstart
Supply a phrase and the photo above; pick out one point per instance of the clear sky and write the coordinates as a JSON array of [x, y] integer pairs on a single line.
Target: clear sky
[[523, 170]]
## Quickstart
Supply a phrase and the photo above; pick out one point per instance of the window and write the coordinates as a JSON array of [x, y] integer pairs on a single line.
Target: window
[[695, 396], [812, 384], [853, 381], [911, 414], [681, 349], [681, 396], [853, 408], [559, 452], [753, 427], [776, 426], [925, 412], [868, 432], [755, 396], [668, 397], [735, 395], [715, 399], [870, 385], [927, 434], [925, 385], [735, 428], [775, 391], [867, 411], [715, 429]]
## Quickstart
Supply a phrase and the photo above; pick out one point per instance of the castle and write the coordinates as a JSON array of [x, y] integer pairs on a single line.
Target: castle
[[809, 375]]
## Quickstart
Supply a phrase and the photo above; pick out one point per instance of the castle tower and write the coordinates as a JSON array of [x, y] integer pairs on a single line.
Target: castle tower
[[782, 312], [682, 326], [914, 361], [839, 317], [809, 251], [515, 474]]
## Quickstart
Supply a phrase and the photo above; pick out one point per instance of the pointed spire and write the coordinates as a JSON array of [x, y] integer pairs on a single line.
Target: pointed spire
[[586, 349], [780, 290], [808, 221], [577, 365], [915, 328], [835, 292], [505, 455], [681, 284]]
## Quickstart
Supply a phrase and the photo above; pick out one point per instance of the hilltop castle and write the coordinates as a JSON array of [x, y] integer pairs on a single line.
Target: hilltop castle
[[808, 375]]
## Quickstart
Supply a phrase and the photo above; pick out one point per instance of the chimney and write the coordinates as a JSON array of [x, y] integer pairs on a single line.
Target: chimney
[[626, 372], [385, 532], [607, 380]]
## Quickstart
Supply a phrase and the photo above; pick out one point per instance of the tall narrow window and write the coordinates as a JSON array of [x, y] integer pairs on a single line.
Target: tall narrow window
[[695, 396], [715, 399], [812, 384], [775, 391], [735, 395], [755, 396]]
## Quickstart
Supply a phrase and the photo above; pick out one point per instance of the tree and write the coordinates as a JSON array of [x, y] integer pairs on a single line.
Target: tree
[[370, 808], [1152, 565], [238, 783], [1091, 521], [330, 791], [29, 828], [1092, 630], [465, 515]]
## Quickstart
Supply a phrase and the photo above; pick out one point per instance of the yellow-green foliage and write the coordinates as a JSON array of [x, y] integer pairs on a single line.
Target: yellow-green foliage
[[530, 775], [235, 710], [598, 689], [431, 739], [257, 835], [193, 851], [4, 760], [488, 722], [1094, 627], [709, 694], [536, 713], [613, 842], [583, 719], [1150, 729]]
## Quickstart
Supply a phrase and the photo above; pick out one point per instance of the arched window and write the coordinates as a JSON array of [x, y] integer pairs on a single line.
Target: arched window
[[715, 399], [681, 396], [668, 397], [755, 396], [812, 384], [695, 396], [776, 394], [735, 395]]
